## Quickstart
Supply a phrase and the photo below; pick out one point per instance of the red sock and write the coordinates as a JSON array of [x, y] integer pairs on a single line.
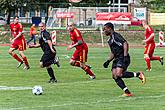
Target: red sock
[[15, 56], [148, 63], [87, 70], [155, 58], [77, 64], [25, 61]]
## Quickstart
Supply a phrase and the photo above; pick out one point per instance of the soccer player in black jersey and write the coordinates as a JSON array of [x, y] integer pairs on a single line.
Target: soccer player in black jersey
[[48, 58], [121, 59]]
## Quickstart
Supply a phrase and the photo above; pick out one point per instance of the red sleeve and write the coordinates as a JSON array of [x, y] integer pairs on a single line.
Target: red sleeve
[[20, 27], [150, 31], [77, 34]]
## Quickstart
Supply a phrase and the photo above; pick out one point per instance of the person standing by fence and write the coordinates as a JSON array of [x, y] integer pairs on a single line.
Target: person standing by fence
[[33, 33]]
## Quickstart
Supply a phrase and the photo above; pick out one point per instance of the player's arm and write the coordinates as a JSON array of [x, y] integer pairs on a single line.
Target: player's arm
[[74, 45], [20, 28], [51, 46], [150, 37], [110, 58], [149, 29], [126, 48]]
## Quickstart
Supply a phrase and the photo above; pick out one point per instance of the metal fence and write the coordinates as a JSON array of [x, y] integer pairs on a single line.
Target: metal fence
[[83, 16]]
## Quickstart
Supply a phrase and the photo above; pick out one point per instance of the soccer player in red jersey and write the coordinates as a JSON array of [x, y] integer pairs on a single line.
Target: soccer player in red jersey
[[150, 46], [18, 42], [79, 56]]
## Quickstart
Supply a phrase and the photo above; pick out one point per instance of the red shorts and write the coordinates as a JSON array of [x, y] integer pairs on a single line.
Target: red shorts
[[19, 44], [149, 49], [80, 55]]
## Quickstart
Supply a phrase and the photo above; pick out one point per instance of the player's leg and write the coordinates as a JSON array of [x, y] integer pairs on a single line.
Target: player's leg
[[146, 56], [15, 56], [87, 70], [34, 37], [51, 75], [25, 60], [159, 58], [45, 62], [83, 58], [116, 74]]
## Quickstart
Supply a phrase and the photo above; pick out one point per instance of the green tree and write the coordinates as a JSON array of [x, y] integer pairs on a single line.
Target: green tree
[[9, 5], [154, 5]]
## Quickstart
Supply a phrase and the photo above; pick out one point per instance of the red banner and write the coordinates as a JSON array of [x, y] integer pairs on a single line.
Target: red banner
[[75, 1], [118, 16], [64, 14], [114, 17]]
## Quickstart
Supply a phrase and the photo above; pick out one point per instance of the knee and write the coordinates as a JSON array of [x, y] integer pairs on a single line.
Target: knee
[[10, 52], [116, 75], [72, 62]]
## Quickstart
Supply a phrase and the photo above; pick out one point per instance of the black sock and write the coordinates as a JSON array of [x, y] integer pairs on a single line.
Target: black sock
[[127, 74], [51, 73], [122, 85], [137, 74]]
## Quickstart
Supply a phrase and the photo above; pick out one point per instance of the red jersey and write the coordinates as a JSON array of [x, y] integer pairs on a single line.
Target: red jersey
[[148, 32], [75, 35], [15, 29], [32, 30]]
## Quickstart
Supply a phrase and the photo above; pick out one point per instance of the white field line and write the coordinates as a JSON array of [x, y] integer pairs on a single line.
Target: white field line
[[14, 88], [116, 99]]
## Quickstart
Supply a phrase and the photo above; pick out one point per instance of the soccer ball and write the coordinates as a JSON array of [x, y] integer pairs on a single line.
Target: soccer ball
[[37, 90]]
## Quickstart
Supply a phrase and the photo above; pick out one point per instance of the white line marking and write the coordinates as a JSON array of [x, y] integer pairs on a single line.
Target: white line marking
[[14, 88]]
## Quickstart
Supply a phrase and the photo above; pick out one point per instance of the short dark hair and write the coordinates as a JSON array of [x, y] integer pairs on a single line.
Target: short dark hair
[[109, 24], [16, 17]]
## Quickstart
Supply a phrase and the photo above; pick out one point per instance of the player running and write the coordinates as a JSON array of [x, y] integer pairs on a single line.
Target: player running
[[150, 46], [79, 56], [49, 56], [18, 42], [121, 59]]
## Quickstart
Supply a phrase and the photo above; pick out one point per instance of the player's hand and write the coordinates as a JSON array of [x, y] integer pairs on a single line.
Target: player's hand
[[143, 41], [69, 47], [53, 51], [105, 65], [11, 40]]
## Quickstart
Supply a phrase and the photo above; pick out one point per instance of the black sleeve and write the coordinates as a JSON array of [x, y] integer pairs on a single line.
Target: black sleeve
[[119, 38], [47, 36]]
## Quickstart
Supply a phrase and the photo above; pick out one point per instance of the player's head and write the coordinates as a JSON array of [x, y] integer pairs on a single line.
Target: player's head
[[144, 23], [108, 28], [42, 26], [33, 25], [71, 26], [16, 18]]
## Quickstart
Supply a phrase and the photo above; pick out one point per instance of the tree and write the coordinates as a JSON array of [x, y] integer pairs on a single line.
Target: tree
[[154, 5], [9, 5]]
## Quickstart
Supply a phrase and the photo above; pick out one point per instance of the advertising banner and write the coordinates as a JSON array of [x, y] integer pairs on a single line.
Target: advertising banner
[[64, 14], [113, 17], [140, 13], [157, 19]]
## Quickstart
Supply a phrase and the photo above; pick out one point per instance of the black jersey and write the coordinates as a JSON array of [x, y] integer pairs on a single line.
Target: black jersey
[[116, 42], [43, 41]]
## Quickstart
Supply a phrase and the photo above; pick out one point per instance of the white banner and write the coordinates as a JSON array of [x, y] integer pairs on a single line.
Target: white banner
[[140, 13]]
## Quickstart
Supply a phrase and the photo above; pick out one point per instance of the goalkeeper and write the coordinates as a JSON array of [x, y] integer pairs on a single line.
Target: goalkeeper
[[121, 59]]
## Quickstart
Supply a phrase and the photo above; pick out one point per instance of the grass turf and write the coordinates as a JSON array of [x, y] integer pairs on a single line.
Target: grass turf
[[74, 90]]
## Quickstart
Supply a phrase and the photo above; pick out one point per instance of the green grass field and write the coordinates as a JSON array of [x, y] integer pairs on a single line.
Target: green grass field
[[74, 90]]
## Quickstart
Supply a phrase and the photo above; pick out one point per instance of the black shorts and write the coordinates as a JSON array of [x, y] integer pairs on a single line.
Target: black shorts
[[119, 62], [47, 59]]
